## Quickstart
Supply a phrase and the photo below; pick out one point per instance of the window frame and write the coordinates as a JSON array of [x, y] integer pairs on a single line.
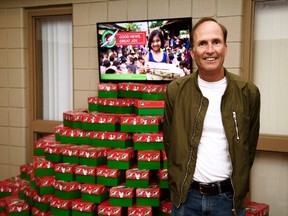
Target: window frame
[[38, 127], [274, 143]]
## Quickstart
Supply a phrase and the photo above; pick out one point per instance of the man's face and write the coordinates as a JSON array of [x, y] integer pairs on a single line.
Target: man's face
[[209, 49]]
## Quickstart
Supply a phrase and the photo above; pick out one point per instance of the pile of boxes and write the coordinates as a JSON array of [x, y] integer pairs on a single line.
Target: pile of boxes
[[108, 159]]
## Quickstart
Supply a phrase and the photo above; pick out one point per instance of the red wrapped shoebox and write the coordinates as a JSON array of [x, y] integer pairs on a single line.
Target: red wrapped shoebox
[[109, 176], [105, 209], [149, 107], [116, 105], [95, 193], [43, 168], [130, 90], [164, 159], [65, 171], [149, 159], [137, 178], [153, 92], [148, 196], [85, 174], [80, 208], [148, 141], [139, 210], [70, 154], [42, 202], [107, 90], [121, 158], [93, 156], [45, 185], [100, 122], [67, 190], [165, 208], [111, 139], [38, 212], [58, 130], [93, 103], [73, 118], [75, 136], [53, 152], [15, 205], [60, 207], [139, 124], [40, 144], [257, 209], [122, 196], [162, 177]]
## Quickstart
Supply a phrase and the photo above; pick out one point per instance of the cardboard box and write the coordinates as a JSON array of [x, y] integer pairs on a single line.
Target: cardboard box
[[149, 159], [137, 178], [75, 136], [148, 196], [73, 118], [43, 168], [65, 172], [162, 177], [164, 159], [96, 122], [109, 176], [165, 208], [111, 139], [106, 209], [130, 90], [116, 105], [45, 185], [95, 193], [121, 158], [257, 209], [82, 208], [149, 107], [43, 202], [67, 190], [153, 92], [70, 154], [139, 124], [107, 90], [60, 207], [16, 206], [122, 196], [86, 174], [93, 156], [148, 141], [93, 103], [139, 210]]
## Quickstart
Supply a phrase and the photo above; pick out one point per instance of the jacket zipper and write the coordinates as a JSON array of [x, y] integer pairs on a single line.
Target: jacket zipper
[[236, 124], [190, 155]]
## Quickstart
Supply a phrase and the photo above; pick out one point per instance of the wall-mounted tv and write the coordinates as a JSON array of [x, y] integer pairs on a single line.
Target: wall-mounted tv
[[144, 51]]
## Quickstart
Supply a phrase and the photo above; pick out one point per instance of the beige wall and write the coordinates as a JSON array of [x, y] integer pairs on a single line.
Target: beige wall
[[86, 13]]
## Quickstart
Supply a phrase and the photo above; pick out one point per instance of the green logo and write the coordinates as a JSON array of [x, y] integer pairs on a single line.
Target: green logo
[[108, 39]]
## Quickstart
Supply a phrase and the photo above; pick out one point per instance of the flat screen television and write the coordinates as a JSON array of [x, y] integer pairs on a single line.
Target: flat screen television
[[152, 51]]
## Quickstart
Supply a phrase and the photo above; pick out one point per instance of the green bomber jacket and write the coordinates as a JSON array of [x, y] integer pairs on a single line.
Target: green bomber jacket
[[184, 113]]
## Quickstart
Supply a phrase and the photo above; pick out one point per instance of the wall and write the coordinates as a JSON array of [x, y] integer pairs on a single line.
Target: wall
[[14, 71]]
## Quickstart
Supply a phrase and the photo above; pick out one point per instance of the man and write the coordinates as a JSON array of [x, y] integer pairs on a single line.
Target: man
[[211, 129]]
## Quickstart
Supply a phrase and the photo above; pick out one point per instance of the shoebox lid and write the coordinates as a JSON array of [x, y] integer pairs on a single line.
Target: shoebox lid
[[42, 163], [80, 205], [37, 212], [116, 102], [149, 103], [106, 209], [104, 171], [74, 115], [137, 174], [107, 87], [139, 210], [67, 186], [46, 198], [93, 100], [153, 191], [121, 191], [100, 119], [60, 203], [73, 150], [65, 168], [162, 174], [148, 137], [165, 207], [70, 132], [121, 154], [85, 170], [14, 204], [94, 152], [113, 136], [136, 87], [45, 181], [94, 189], [149, 155], [139, 120]]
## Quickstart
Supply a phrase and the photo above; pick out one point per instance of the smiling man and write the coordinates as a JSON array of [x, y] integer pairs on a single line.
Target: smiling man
[[211, 129]]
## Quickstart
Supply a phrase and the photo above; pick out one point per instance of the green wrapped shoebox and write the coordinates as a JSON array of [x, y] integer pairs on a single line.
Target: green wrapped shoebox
[[95, 193], [149, 159], [100, 122], [43, 167], [116, 105], [72, 118], [111, 139], [121, 159], [130, 90], [122, 196], [70, 154], [93, 103], [148, 141], [153, 92], [75, 136], [60, 207], [82, 208], [67, 190], [107, 90], [43, 202], [86, 174], [93, 156], [149, 107], [45, 185], [148, 196], [65, 172], [108, 176], [139, 124], [137, 178]]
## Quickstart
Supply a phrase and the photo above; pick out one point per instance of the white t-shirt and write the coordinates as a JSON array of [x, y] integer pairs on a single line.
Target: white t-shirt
[[213, 159]]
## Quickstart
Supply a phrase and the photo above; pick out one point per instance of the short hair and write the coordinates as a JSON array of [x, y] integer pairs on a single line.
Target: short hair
[[206, 19], [154, 33]]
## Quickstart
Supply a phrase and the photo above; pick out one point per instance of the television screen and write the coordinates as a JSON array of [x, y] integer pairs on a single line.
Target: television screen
[[144, 51]]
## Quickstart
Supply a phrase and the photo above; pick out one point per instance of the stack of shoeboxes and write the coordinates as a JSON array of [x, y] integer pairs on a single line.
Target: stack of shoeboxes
[[108, 159]]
